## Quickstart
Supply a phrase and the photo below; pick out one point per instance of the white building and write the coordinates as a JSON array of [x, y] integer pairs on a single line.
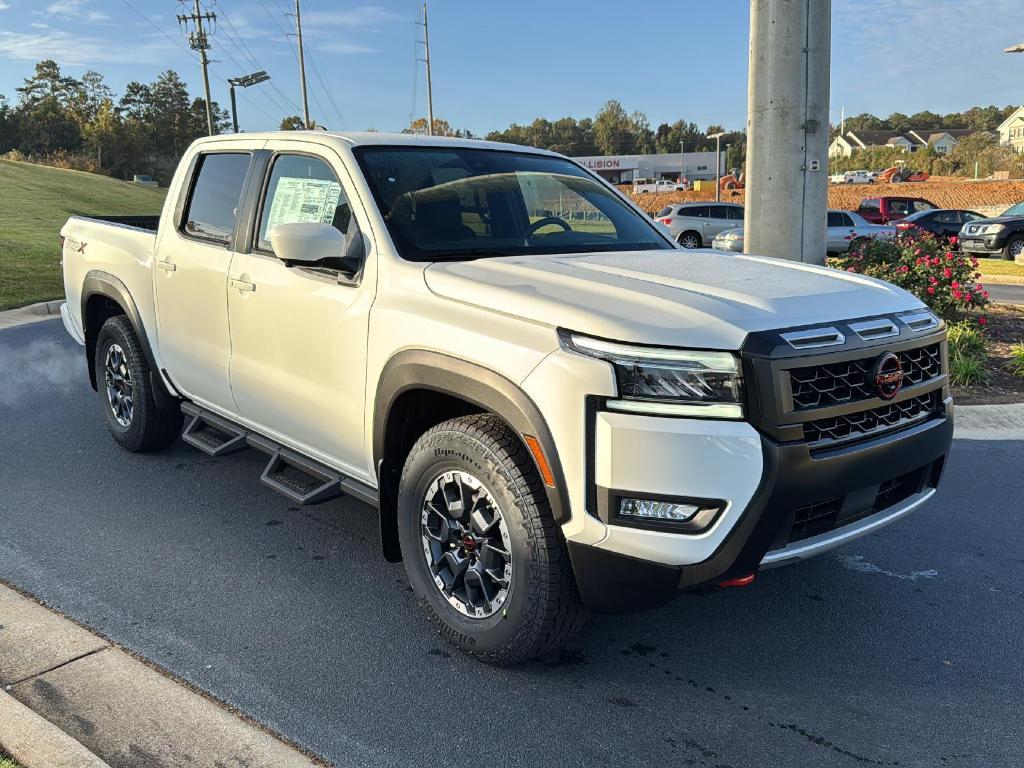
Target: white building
[[622, 169], [1011, 130]]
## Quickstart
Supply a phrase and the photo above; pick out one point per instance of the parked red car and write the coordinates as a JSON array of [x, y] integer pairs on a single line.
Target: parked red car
[[882, 210]]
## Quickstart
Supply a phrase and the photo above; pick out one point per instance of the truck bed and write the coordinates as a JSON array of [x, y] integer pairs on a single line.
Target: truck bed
[[138, 222]]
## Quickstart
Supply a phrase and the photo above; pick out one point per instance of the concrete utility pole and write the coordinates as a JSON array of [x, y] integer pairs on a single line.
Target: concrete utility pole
[[787, 129], [302, 67], [198, 41], [426, 60]]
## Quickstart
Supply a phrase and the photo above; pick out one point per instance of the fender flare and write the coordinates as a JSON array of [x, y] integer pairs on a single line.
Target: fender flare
[[490, 391], [100, 283]]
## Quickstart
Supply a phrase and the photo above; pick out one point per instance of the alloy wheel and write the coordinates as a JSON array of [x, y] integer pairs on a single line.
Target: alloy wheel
[[689, 241], [466, 544], [1016, 248], [118, 381]]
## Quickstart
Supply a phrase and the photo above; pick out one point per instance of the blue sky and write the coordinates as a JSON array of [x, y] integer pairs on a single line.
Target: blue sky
[[499, 62]]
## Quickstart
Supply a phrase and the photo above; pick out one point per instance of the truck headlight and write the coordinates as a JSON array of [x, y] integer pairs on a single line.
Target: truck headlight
[[668, 382], [991, 229]]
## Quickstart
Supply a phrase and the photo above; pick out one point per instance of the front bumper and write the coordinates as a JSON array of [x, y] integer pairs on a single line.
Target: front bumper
[[734, 246], [984, 244], [859, 488]]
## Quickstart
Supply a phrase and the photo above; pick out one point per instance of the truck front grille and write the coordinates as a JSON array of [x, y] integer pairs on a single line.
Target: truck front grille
[[818, 386], [873, 420]]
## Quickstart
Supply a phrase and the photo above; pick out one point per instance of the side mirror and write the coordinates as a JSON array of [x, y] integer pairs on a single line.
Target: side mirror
[[307, 242], [318, 243]]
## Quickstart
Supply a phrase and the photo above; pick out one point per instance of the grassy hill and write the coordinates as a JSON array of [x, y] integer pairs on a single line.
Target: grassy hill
[[35, 201]]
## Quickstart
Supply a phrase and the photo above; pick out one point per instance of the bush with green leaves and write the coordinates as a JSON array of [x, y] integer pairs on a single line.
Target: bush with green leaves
[[1016, 364], [943, 278]]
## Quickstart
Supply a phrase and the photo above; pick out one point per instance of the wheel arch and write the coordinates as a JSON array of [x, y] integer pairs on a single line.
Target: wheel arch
[[104, 296], [418, 389], [694, 232]]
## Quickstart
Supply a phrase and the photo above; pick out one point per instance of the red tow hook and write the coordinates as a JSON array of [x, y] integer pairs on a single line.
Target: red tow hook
[[742, 581]]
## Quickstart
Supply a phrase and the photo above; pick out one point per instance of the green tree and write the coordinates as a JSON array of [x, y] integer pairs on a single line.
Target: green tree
[[613, 130], [292, 123]]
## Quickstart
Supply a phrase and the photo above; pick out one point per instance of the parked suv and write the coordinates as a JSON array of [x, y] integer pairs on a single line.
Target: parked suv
[[1001, 236], [546, 406], [694, 225]]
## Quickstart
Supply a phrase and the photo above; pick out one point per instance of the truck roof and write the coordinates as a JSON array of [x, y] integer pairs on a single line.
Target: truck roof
[[375, 138]]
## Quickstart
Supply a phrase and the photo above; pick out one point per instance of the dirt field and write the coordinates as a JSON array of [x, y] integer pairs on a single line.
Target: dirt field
[[944, 192]]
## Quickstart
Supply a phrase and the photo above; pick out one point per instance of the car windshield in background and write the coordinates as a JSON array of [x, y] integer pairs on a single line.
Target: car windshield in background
[[1014, 210], [444, 204]]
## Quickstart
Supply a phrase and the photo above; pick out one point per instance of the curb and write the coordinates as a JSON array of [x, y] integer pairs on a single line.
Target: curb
[[1002, 280], [33, 313], [989, 422], [76, 700], [34, 742]]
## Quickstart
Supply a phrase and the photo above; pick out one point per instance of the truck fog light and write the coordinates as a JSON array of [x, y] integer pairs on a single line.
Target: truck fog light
[[648, 509]]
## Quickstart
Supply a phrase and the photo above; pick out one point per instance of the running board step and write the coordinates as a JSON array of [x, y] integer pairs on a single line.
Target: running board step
[[301, 480], [210, 434]]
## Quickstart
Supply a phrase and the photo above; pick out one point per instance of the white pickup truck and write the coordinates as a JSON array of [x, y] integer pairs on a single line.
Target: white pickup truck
[[553, 407]]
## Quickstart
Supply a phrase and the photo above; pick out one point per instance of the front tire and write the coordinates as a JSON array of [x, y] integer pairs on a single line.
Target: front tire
[[123, 380], [484, 556], [1014, 248]]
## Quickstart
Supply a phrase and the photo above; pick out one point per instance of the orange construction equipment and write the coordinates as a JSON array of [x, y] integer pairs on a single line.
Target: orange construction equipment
[[897, 174]]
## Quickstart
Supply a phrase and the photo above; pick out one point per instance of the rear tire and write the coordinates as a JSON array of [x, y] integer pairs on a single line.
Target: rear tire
[[689, 240], [469, 495], [123, 380]]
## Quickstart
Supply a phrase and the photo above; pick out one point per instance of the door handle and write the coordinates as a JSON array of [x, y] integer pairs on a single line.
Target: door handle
[[242, 285], [167, 266]]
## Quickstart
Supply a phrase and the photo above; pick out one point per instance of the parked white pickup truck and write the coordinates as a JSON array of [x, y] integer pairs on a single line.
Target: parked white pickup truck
[[552, 405]]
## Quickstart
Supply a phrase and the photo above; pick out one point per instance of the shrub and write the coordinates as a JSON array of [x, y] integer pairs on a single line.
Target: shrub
[[1016, 364], [944, 279], [965, 339], [968, 370]]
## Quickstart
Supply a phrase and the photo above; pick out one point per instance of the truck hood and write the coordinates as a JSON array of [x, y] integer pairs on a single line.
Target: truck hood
[[694, 298]]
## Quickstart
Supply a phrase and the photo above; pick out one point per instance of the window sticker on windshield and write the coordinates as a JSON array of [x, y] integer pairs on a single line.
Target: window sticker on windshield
[[303, 200]]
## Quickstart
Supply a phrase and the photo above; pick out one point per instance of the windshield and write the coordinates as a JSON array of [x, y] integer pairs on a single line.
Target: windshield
[[1015, 210], [443, 203]]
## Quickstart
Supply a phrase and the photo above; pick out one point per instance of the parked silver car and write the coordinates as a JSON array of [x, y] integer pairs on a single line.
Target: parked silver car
[[694, 225], [843, 229]]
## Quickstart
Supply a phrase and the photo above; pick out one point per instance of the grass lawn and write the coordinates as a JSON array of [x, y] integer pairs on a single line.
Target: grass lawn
[[989, 267], [35, 201]]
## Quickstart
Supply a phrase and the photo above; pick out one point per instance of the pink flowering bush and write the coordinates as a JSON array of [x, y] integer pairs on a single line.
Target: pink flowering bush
[[944, 279]]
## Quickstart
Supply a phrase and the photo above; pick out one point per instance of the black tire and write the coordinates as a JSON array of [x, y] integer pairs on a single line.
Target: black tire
[[542, 608], [147, 428], [690, 236], [1012, 244]]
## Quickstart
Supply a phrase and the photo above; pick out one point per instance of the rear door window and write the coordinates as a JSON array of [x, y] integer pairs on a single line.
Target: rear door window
[[719, 212], [697, 211], [921, 205], [835, 219], [869, 205], [735, 213], [213, 203], [899, 206]]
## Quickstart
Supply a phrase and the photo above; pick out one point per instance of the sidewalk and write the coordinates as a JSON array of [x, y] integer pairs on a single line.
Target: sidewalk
[[74, 700]]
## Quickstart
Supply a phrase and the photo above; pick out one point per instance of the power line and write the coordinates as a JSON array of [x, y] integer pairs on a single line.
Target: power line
[[244, 49], [315, 59]]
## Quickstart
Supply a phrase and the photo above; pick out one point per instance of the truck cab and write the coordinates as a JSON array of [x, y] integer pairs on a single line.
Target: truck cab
[[886, 209], [553, 408]]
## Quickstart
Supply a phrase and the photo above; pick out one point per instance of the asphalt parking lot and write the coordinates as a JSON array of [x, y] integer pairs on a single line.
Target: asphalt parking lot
[[900, 649]]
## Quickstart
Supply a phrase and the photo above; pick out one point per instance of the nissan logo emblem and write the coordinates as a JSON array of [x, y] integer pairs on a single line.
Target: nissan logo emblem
[[888, 376]]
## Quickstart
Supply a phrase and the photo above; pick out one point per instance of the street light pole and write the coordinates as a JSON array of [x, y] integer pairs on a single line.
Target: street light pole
[[682, 160], [243, 82], [718, 164]]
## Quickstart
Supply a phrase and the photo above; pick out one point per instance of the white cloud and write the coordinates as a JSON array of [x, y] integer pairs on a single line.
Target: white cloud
[[73, 9], [78, 50], [4, 6], [39, 25]]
